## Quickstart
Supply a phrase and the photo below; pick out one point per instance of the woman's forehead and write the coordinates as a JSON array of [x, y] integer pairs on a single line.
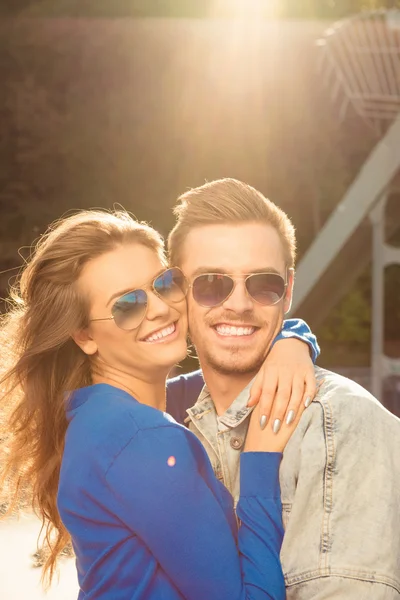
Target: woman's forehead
[[124, 268]]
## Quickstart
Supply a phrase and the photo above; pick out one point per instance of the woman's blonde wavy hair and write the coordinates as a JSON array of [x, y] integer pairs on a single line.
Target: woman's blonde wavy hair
[[40, 362]]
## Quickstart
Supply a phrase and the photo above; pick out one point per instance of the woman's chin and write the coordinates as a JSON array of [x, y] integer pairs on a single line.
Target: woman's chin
[[166, 355], [175, 354]]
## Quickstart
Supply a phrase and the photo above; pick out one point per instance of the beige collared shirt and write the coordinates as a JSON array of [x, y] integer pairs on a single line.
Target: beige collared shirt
[[223, 436]]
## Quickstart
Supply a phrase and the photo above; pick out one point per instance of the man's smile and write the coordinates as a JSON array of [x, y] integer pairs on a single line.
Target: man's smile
[[230, 330]]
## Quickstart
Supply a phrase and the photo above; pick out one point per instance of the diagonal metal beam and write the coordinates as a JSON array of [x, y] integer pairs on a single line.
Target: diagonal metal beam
[[346, 267], [375, 175]]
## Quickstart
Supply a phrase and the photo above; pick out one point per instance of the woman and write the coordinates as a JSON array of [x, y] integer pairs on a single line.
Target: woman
[[97, 324]]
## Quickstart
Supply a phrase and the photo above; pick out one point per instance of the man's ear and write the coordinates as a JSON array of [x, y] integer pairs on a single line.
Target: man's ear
[[83, 339], [287, 302]]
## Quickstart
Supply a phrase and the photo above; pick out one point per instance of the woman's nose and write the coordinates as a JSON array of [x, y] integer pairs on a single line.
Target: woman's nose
[[156, 306]]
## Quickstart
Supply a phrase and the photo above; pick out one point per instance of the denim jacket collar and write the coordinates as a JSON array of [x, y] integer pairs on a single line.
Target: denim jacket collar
[[232, 417]]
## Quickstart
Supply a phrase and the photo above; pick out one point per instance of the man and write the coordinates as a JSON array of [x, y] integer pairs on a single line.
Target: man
[[340, 475]]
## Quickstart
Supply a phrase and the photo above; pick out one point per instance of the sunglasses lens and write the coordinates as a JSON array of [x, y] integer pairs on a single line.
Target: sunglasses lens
[[129, 310], [171, 285], [266, 288], [212, 289]]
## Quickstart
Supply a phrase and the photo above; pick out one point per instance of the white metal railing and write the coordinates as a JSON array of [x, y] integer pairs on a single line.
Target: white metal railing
[[360, 64], [377, 172]]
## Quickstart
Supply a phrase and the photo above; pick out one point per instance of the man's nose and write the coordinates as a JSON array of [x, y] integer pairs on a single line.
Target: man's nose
[[239, 301]]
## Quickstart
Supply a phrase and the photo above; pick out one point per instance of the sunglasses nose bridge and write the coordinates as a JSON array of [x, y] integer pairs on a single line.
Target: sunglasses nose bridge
[[156, 305], [239, 299]]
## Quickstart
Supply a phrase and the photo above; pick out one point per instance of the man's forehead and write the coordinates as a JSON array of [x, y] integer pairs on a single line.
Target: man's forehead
[[243, 248]]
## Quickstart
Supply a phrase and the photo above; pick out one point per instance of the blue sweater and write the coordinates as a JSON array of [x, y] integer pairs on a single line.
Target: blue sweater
[[183, 391], [147, 517]]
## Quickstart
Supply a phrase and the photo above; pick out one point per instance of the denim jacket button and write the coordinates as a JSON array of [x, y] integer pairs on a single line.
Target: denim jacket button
[[236, 443]]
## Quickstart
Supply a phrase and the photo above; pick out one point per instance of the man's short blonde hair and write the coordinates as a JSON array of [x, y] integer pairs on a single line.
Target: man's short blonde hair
[[227, 201]]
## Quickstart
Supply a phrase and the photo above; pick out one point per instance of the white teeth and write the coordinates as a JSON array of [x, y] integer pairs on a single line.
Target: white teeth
[[231, 330], [162, 333]]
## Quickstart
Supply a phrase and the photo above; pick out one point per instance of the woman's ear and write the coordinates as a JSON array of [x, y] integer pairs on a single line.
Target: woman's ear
[[83, 339]]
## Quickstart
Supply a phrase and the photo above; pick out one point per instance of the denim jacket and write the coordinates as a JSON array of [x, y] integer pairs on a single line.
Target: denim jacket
[[340, 484]]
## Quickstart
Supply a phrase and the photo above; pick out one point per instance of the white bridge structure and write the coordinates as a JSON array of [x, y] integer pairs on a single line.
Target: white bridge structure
[[360, 63]]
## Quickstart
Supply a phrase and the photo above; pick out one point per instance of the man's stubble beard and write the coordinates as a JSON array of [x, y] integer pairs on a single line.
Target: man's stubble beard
[[234, 365]]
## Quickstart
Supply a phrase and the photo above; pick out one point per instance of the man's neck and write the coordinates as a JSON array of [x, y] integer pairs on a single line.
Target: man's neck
[[224, 389]]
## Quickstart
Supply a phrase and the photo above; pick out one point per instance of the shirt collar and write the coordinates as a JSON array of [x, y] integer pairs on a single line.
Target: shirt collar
[[232, 417]]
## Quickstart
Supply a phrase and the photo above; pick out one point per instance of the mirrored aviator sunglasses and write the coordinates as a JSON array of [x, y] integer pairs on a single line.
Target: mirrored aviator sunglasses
[[212, 289], [129, 310]]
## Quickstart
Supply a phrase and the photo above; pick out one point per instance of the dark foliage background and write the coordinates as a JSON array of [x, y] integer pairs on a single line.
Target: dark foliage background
[[95, 112]]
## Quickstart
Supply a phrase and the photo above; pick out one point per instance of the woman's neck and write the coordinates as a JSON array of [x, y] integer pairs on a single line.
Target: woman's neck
[[150, 392]]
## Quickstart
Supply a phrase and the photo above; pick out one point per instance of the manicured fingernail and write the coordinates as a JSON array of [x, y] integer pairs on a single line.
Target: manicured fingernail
[[263, 421], [307, 402], [290, 417], [277, 425]]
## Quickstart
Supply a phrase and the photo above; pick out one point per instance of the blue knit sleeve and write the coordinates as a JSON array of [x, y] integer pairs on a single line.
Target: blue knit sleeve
[[166, 493], [182, 393], [297, 328]]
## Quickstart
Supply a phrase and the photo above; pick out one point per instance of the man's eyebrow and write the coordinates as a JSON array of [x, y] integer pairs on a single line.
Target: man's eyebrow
[[266, 270], [205, 270], [138, 287]]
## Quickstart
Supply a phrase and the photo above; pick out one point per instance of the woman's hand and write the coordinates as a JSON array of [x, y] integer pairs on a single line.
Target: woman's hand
[[284, 386], [258, 440]]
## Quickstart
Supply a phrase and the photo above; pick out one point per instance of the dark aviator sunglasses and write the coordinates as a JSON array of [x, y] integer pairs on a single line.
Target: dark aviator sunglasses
[[129, 311], [212, 289]]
